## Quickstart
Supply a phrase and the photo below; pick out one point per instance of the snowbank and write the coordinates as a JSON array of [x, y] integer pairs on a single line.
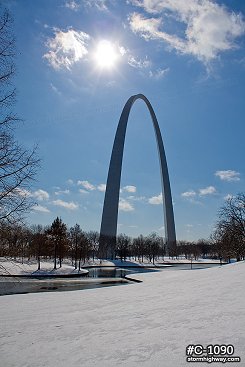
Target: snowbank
[[144, 324]]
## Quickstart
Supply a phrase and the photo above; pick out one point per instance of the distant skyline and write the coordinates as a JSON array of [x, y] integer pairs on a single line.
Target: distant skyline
[[77, 64]]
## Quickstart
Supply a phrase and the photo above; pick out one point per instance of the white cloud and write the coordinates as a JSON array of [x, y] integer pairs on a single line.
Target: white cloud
[[83, 191], [159, 73], [87, 185], [101, 187], [72, 5], [66, 48], [125, 206], [129, 188], [156, 200], [41, 195], [148, 28], [138, 63], [65, 204], [22, 192], [98, 4], [55, 89], [122, 50], [70, 181], [210, 28], [191, 194], [228, 175], [60, 192], [207, 191], [136, 198], [188, 194], [40, 208], [134, 61]]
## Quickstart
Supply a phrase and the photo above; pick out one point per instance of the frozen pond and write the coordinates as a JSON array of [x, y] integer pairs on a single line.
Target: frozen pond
[[96, 277], [112, 272]]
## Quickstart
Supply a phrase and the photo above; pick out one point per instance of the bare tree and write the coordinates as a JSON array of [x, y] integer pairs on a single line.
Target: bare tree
[[58, 237], [230, 229], [94, 237], [84, 249], [38, 239], [139, 247], [205, 247], [123, 244], [75, 236], [7, 67], [154, 246], [18, 166]]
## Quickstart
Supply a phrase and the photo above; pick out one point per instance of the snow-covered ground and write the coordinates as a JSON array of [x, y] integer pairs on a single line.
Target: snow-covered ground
[[15, 267], [144, 324]]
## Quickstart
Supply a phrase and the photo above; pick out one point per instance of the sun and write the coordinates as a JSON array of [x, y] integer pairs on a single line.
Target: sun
[[105, 55]]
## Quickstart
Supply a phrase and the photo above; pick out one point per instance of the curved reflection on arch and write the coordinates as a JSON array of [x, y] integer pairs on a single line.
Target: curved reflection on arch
[[108, 228]]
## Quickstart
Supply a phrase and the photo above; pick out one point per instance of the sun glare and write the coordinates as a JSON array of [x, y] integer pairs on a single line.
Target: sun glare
[[105, 55]]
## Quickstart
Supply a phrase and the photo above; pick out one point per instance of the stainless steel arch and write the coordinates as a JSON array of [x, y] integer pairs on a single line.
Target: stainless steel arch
[[108, 229]]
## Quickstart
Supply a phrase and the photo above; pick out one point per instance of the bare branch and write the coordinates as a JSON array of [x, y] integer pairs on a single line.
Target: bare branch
[[18, 166]]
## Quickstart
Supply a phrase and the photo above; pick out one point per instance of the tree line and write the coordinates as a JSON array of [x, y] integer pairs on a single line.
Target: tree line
[[57, 241]]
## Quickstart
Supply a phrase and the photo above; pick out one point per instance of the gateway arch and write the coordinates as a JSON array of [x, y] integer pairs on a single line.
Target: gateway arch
[[108, 230]]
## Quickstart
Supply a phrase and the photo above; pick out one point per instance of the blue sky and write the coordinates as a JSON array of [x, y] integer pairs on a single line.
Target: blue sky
[[77, 64]]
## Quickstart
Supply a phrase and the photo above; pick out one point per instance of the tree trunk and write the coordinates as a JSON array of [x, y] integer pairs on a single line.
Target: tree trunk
[[55, 255]]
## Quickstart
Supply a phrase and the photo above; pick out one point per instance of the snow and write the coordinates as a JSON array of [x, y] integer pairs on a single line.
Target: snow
[[15, 267], [166, 261], [141, 324]]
